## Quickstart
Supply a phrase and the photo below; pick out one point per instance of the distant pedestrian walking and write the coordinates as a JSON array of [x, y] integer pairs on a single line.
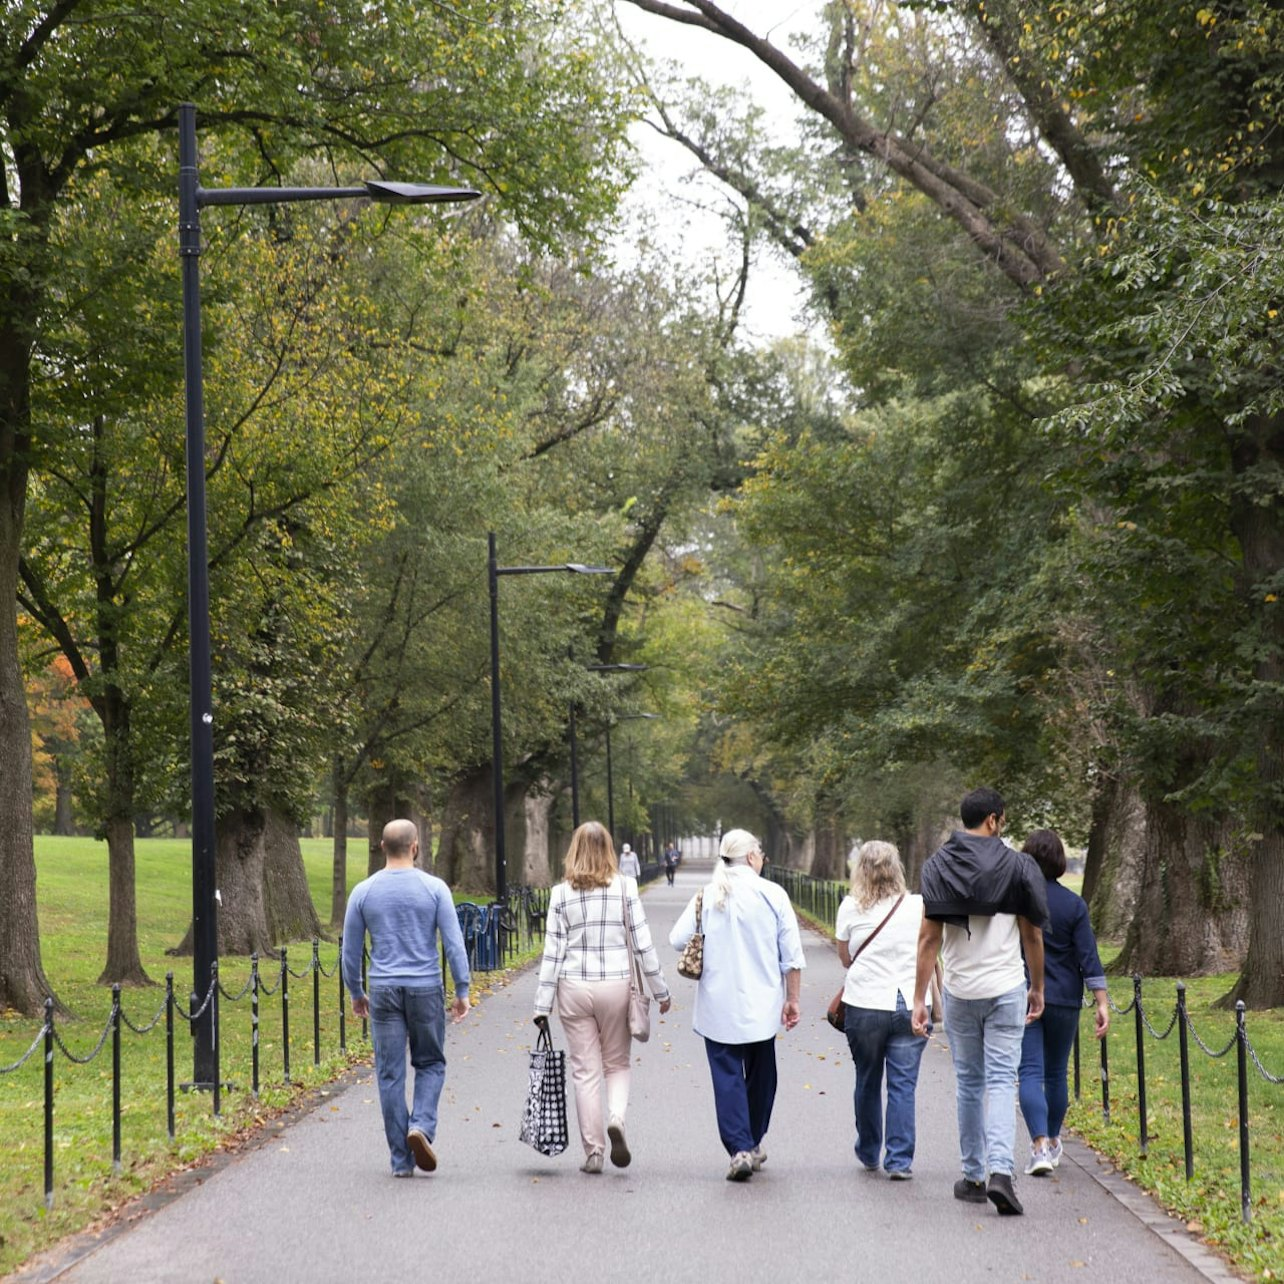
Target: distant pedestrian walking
[[877, 933], [403, 909], [630, 866], [1070, 963], [983, 901], [753, 961], [670, 862], [586, 968]]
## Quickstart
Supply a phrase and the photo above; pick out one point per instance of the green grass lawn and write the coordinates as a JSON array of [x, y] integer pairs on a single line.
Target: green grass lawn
[[72, 894], [1210, 1202]]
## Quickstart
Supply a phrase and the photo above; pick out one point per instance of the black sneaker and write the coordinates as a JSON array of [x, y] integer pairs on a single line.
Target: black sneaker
[[971, 1192], [1003, 1196]]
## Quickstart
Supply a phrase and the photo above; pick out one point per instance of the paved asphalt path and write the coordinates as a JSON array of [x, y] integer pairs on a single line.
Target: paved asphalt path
[[316, 1202]]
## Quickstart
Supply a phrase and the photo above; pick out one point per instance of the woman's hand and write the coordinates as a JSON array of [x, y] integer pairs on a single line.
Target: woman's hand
[[1103, 1018], [665, 1005]]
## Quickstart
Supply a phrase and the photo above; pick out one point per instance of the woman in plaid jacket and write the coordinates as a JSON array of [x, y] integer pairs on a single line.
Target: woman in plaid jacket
[[586, 969]]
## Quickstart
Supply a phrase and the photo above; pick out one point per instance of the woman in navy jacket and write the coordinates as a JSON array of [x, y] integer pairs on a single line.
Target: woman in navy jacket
[[1070, 964]]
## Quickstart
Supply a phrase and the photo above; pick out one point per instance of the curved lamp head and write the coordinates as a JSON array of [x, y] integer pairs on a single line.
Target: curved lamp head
[[416, 193], [580, 569]]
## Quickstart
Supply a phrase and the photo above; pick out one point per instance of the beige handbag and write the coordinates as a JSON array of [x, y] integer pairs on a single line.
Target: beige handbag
[[639, 999], [691, 960]]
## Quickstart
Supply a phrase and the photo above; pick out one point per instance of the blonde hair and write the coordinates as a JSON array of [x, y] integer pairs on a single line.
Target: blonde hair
[[877, 873], [590, 859], [736, 848]]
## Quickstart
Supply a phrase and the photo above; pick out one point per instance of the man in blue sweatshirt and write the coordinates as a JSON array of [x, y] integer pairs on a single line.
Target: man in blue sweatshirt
[[983, 903], [403, 909]]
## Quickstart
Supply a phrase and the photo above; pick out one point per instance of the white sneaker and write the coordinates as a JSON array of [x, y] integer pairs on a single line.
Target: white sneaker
[[1055, 1152], [1040, 1162], [757, 1157], [592, 1163], [741, 1166]]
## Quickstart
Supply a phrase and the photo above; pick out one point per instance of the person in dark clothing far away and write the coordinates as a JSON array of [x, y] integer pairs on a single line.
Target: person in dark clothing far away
[[983, 901]]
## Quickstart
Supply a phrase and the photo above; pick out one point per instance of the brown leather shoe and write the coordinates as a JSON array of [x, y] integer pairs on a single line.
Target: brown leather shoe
[[422, 1150]]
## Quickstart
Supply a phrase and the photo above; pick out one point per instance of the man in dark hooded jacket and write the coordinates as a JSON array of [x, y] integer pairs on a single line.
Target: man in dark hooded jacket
[[983, 902]]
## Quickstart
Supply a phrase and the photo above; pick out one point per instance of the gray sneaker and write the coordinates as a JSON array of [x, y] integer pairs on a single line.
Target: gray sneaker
[[971, 1192], [592, 1163], [741, 1166], [1055, 1152], [1040, 1164]]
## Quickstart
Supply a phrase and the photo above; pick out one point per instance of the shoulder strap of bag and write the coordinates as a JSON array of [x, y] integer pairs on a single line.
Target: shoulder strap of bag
[[880, 927], [635, 964]]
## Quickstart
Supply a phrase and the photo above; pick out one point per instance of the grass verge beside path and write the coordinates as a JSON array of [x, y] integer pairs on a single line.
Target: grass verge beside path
[[72, 903], [1209, 1203]]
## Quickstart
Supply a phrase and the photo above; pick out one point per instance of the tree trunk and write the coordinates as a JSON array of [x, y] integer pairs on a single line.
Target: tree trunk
[[527, 835], [466, 848], [123, 966], [1191, 916], [238, 863], [339, 868], [1114, 865], [64, 824], [287, 898], [23, 985], [381, 807], [1259, 527]]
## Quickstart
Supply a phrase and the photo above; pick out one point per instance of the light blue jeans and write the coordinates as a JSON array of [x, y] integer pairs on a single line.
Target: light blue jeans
[[985, 1043], [401, 1016]]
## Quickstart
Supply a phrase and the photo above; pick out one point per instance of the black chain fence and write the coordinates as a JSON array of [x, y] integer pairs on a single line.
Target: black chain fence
[[820, 899], [493, 935]]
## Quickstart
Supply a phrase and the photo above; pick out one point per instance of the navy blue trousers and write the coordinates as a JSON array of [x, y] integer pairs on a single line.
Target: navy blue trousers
[[744, 1090]]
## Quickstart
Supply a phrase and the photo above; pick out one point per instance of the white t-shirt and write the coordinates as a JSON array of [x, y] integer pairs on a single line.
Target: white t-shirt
[[988, 962], [886, 966]]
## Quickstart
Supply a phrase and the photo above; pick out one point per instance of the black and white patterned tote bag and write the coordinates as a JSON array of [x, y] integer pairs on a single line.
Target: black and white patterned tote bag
[[544, 1115]]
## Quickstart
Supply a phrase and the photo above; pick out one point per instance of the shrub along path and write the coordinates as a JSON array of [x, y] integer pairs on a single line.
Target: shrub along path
[[316, 1202]]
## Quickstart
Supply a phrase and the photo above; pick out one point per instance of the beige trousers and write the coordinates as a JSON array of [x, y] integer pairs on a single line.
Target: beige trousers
[[595, 1020]]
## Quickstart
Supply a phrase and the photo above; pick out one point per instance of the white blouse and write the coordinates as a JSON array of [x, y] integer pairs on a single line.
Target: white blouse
[[887, 966]]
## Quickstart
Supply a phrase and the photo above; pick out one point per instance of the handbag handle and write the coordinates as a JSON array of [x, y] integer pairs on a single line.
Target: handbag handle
[[628, 928]]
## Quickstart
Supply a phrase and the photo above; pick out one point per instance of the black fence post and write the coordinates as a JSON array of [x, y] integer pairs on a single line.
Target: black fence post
[[343, 1016], [1105, 1078], [1140, 1025], [254, 1024], [49, 1101], [316, 1003], [285, 1011], [1183, 1044], [1241, 1042], [169, 1054], [214, 1026], [115, 1078]]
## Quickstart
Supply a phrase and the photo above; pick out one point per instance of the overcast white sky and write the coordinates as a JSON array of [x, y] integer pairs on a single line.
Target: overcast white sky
[[671, 196]]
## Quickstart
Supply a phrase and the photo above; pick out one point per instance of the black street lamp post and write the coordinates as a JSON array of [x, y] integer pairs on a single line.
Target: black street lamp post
[[497, 746], [192, 197]]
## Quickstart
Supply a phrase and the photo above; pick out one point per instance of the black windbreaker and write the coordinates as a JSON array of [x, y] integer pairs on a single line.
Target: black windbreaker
[[972, 874]]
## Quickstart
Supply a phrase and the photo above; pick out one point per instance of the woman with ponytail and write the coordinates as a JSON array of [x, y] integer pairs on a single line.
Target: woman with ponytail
[[753, 960]]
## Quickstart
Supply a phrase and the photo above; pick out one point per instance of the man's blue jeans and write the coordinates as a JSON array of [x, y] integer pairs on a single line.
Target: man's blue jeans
[[399, 1016], [1045, 1052], [985, 1043], [880, 1039]]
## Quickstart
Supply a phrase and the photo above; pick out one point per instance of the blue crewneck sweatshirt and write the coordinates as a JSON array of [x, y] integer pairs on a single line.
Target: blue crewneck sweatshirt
[[403, 910]]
